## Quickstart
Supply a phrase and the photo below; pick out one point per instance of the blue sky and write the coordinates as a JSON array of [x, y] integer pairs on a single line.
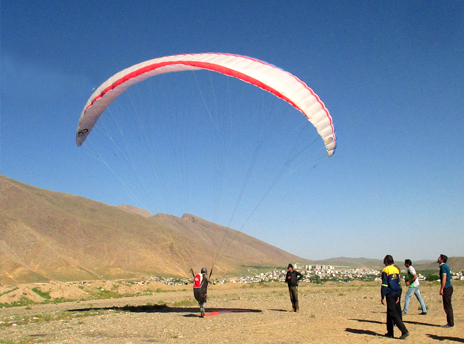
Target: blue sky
[[390, 73]]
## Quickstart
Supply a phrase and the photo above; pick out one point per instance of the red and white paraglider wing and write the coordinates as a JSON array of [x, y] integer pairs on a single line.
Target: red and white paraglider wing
[[268, 77]]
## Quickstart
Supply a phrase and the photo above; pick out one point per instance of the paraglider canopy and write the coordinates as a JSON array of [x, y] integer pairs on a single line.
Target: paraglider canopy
[[261, 74]]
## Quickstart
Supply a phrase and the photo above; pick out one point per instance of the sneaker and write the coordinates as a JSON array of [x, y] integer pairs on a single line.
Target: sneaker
[[423, 313], [404, 335], [404, 313], [389, 335], [448, 326]]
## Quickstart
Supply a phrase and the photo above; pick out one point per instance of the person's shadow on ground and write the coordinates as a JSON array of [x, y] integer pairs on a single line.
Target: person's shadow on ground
[[167, 309], [359, 331], [442, 338], [420, 323], [369, 321], [404, 321]]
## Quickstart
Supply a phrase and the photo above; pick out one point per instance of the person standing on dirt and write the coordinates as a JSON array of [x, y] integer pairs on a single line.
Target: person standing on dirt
[[391, 291], [412, 281], [446, 289], [292, 279], [200, 288]]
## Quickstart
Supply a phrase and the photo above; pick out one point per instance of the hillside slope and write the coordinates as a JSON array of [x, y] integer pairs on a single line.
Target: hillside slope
[[48, 235]]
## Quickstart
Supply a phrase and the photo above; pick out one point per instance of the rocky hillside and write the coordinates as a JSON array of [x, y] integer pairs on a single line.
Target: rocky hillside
[[48, 235]]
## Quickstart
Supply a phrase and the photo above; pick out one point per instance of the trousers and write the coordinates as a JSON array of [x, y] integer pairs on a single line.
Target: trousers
[[293, 291], [447, 293], [394, 315], [416, 292]]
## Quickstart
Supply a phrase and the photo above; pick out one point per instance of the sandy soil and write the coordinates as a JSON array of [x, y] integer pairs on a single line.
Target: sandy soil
[[331, 313]]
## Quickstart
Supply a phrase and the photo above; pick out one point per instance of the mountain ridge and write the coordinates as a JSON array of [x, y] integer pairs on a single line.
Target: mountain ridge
[[47, 235], [55, 236]]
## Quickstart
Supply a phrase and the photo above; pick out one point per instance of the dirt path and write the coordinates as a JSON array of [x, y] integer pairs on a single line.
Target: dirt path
[[345, 313]]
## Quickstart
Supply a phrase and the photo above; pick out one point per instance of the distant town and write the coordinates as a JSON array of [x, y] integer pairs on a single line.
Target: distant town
[[311, 274]]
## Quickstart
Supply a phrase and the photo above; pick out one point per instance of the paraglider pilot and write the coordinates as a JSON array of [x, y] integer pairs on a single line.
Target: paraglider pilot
[[200, 288], [292, 279]]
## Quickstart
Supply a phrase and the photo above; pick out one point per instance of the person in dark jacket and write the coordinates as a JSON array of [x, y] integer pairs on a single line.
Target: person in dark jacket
[[391, 291], [200, 288], [292, 279]]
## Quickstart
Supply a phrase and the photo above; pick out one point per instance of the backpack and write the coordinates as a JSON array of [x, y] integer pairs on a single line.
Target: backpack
[[197, 281]]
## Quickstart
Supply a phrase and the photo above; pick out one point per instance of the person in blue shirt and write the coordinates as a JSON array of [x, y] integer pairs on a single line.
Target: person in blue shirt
[[391, 292], [446, 289]]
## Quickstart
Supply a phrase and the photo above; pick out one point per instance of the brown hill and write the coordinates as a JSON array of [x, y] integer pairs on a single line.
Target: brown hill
[[134, 210], [48, 235], [351, 262], [456, 264]]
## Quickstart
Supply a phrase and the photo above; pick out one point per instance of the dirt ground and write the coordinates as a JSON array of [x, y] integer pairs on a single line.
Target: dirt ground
[[329, 313]]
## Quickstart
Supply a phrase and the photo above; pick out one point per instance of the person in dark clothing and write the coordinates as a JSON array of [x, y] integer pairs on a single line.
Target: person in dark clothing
[[446, 289], [292, 279], [391, 291], [200, 288]]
